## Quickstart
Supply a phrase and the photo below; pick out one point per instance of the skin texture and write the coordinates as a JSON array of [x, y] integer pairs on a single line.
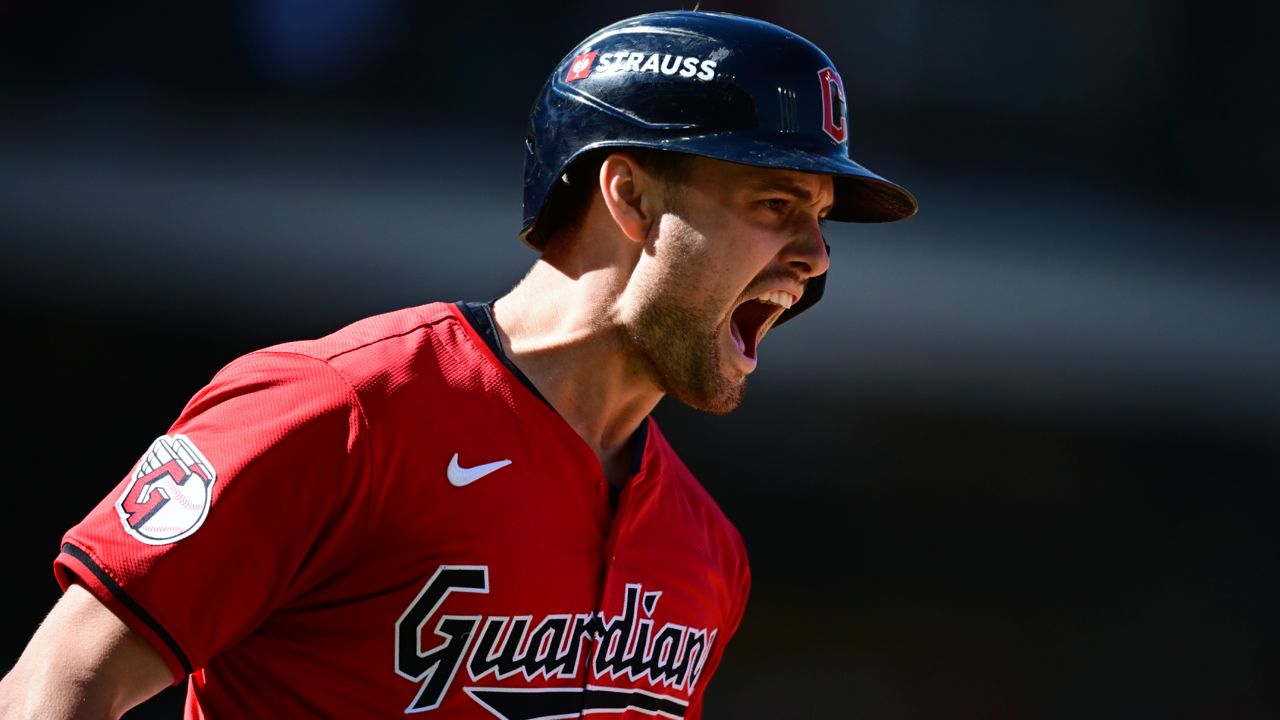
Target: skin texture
[[634, 303], [82, 662]]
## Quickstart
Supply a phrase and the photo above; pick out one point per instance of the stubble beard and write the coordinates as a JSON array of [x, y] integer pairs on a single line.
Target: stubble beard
[[682, 345], [683, 349]]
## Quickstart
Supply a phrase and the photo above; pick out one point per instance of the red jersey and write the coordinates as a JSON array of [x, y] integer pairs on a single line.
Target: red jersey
[[390, 521]]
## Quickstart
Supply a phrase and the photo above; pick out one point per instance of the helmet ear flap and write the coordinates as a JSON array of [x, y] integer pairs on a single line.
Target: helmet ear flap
[[566, 197]]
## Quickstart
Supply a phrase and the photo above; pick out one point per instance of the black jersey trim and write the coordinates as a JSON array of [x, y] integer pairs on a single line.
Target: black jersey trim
[[536, 703], [639, 440], [480, 315], [129, 603]]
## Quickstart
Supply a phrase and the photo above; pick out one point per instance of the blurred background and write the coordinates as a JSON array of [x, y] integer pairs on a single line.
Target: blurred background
[[1022, 460]]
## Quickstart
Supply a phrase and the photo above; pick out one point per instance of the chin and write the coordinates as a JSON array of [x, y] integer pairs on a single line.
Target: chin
[[720, 396], [689, 358]]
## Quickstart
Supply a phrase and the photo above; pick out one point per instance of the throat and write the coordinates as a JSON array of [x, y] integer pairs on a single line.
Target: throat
[[624, 462], [616, 466]]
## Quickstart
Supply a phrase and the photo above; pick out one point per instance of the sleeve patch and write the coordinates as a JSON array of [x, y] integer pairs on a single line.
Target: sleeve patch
[[169, 495]]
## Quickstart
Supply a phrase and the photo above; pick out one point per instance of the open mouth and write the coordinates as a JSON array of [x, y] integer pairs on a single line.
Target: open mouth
[[753, 318]]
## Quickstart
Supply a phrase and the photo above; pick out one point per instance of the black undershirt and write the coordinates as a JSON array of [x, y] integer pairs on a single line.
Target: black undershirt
[[480, 316]]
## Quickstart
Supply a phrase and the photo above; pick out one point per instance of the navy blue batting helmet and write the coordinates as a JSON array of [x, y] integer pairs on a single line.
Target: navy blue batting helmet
[[712, 84]]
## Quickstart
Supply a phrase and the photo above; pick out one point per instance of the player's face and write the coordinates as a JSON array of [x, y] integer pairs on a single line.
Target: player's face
[[731, 253]]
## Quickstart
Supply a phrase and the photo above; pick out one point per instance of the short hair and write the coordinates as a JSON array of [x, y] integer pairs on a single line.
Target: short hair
[[566, 205]]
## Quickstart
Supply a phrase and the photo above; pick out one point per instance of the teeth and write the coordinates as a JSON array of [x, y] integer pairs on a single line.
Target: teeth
[[777, 297]]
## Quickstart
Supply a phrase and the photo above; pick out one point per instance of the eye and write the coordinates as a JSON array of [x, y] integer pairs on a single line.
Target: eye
[[777, 205]]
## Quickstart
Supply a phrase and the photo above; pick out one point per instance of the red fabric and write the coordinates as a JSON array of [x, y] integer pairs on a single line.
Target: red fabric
[[332, 519]]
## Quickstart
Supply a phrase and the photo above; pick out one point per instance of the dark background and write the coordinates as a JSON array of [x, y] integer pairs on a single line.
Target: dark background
[[1021, 462]]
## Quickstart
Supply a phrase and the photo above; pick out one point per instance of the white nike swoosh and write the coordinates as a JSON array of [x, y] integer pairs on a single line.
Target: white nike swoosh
[[461, 477]]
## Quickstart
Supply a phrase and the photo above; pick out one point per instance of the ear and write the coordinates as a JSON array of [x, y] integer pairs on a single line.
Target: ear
[[630, 194]]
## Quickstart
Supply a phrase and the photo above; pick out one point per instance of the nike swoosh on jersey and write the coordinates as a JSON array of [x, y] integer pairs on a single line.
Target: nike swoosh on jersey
[[461, 477]]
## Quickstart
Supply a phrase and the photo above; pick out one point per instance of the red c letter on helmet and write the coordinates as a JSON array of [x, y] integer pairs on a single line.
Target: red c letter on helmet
[[833, 105]]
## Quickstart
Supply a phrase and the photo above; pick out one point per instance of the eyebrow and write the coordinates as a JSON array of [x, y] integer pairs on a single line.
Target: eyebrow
[[786, 186]]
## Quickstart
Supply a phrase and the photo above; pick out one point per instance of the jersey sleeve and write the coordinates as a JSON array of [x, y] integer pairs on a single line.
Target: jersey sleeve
[[253, 497]]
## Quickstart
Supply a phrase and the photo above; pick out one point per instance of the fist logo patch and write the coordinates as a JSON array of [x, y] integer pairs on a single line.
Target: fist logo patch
[[168, 497], [581, 66]]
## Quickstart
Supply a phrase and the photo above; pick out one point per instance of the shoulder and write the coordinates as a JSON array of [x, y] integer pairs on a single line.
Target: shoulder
[[386, 335], [379, 352]]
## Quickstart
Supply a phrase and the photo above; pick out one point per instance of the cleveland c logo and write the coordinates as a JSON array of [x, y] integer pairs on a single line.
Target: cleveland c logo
[[834, 122]]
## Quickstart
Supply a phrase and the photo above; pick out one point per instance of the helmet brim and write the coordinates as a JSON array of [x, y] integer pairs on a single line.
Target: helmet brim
[[861, 195]]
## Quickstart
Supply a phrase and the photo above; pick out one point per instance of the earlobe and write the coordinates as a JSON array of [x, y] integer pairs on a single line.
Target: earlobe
[[627, 192]]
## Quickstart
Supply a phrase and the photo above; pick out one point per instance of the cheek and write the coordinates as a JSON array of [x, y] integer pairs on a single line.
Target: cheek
[[712, 263], [746, 253], [681, 253]]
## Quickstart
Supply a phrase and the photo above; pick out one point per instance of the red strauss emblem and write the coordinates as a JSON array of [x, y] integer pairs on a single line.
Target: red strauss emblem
[[581, 66], [834, 122]]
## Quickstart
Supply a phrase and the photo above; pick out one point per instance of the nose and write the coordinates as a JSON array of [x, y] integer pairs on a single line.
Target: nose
[[807, 251]]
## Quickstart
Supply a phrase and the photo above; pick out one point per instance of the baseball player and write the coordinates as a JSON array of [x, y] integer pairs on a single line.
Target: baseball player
[[465, 510]]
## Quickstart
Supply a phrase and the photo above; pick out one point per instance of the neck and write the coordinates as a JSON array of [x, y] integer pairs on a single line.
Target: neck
[[561, 329]]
